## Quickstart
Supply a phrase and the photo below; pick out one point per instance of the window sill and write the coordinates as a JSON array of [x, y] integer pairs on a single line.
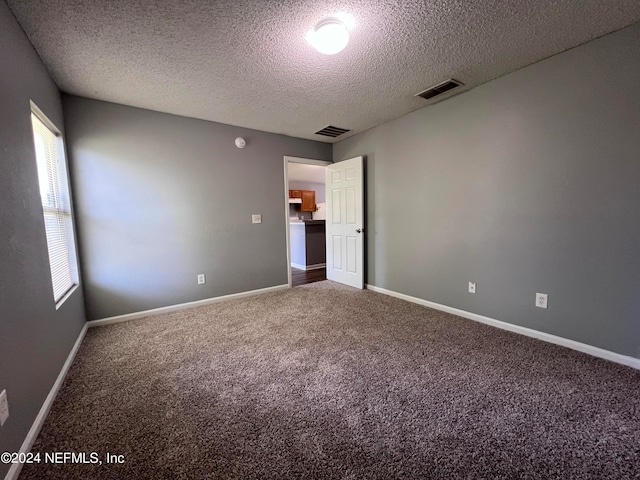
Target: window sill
[[65, 296]]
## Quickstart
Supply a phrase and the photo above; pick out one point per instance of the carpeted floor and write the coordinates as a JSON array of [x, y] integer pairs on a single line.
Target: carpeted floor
[[328, 382]]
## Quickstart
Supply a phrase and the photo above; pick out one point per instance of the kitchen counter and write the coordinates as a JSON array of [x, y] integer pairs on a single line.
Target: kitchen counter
[[308, 222], [308, 245]]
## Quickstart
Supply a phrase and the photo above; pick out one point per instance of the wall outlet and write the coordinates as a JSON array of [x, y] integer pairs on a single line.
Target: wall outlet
[[4, 407], [472, 287], [201, 279], [256, 218], [541, 300]]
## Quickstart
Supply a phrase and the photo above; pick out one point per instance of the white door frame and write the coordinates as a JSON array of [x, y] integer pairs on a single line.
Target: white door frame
[[307, 161]]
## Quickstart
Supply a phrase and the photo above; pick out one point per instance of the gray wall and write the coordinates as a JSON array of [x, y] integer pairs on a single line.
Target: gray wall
[[161, 198], [35, 339], [529, 183]]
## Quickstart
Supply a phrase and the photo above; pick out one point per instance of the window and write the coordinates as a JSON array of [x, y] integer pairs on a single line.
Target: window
[[56, 207]]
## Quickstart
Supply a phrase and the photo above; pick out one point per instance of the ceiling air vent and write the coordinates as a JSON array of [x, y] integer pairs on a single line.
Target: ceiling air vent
[[439, 89], [331, 131]]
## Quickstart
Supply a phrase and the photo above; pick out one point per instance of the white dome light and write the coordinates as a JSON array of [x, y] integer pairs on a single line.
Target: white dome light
[[329, 37]]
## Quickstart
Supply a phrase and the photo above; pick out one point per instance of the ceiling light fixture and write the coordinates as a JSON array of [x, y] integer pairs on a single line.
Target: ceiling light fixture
[[329, 37]]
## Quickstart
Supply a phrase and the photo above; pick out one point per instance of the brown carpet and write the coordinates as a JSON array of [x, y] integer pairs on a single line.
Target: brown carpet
[[328, 382]]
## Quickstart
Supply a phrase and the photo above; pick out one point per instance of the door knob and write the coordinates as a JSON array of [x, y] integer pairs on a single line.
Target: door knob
[[359, 230]]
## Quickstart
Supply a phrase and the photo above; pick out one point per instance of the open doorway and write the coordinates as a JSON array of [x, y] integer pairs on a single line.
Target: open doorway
[[304, 181]]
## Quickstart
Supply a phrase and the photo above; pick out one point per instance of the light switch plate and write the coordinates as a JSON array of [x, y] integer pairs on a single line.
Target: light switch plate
[[4, 407], [541, 300], [256, 218]]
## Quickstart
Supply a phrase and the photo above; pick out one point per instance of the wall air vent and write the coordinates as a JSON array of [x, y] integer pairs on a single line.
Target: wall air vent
[[331, 131], [439, 89]]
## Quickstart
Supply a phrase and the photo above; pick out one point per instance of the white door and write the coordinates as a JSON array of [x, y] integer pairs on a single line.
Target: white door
[[345, 222]]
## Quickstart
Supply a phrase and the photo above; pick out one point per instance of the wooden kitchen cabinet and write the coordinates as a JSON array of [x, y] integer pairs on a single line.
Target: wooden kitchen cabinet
[[308, 201], [308, 198]]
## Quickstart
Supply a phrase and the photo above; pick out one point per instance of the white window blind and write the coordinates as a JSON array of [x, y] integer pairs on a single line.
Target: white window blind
[[55, 206]]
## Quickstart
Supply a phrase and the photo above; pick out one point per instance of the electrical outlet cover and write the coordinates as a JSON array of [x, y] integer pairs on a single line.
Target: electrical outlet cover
[[4, 407], [201, 279], [541, 300], [256, 218], [472, 287]]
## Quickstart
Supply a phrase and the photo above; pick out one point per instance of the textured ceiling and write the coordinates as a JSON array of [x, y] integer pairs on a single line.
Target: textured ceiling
[[247, 63]]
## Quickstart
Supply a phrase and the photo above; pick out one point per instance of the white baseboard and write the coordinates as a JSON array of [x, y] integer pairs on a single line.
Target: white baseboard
[[15, 469], [182, 306], [529, 332], [316, 266]]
